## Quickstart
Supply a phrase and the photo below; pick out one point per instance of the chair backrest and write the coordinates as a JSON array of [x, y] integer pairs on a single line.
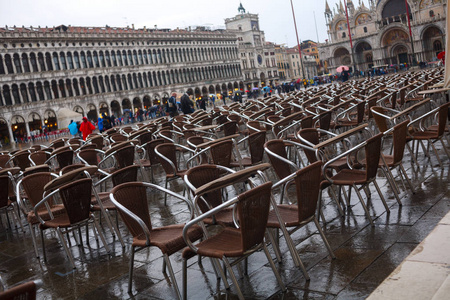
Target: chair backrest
[[64, 158], [76, 197], [39, 157], [90, 156], [150, 148], [379, 120], [360, 109], [256, 146], [36, 169], [58, 144], [312, 136], [325, 120], [200, 175], [230, 128], [221, 153], [282, 169], [4, 158], [399, 140], [127, 174], [117, 137], [33, 186], [4, 191], [442, 118], [97, 141], [373, 152], [24, 291], [253, 211], [21, 160], [133, 196], [169, 151], [307, 184], [124, 156]]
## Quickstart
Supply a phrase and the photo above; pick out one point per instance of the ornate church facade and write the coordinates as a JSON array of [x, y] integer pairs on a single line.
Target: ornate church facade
[[380, 33]]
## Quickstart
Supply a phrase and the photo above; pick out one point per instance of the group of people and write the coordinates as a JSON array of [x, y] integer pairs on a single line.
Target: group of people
[[84, 128]]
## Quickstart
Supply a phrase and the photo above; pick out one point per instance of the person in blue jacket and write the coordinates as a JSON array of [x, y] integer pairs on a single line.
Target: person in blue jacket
[[73, 128]]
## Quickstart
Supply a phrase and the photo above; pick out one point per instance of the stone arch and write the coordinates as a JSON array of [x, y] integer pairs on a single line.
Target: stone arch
[[156, 99], [126, 105], [197, 92], [137, 103], [18, 127], [211, 89], [230, 86], [103, 108], [34, 121], [50, 119], [204, 91], [189, 91], [363, 55], [147, 102], [218, 89], [92, 113], [432, 41], [342, 56], [78, 109], [164, 97], [115, 108]]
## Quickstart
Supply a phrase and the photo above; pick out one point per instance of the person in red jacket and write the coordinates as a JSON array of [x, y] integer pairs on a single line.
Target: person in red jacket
[[86, 128]]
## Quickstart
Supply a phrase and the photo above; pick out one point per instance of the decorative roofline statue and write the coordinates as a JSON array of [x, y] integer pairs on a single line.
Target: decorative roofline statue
[[241, 8]]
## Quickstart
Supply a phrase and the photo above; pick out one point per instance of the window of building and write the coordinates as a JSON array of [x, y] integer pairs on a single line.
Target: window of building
[[365, 29]]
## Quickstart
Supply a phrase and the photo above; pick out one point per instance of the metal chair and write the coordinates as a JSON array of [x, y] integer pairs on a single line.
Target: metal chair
[[252, 209], [132, 203]]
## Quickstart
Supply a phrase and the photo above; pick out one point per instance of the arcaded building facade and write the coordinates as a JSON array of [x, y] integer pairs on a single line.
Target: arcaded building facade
[[92, 70], [380, 33]]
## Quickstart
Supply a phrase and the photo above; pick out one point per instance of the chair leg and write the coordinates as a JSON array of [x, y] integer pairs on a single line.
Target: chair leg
[[361, 200], [233, 278], [295, 256], [43, 245], [172, 276], [17, 219], [97, 227], [274, 269], [113, 227], [335, 198], [324, 238], [130, 273], [390, 179], [165, 194], [184, 279], [63, 242], [381, 196], [33, 239], [437, 154], [276, 247], [407, 179]]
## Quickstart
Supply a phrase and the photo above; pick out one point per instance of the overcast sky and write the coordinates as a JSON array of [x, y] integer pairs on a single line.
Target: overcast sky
[[275, 16]]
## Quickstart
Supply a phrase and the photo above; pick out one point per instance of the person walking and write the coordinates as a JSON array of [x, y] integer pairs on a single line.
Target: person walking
[[86, 128], [171, 107], [73, 128], [187, 106], [100, 125]]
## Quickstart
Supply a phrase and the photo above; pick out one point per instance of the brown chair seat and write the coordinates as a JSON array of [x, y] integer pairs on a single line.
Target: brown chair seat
[[57, 209], [61, 221], [106, 202], [425, 135], [346, 177], [168, 238], [288, 213], [226, 243]]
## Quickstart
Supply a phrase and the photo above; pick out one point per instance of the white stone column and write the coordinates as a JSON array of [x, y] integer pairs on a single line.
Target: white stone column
[[11, 135], [27, 127]]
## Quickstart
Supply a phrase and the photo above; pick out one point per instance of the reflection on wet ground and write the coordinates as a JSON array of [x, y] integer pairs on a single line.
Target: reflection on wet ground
[[365, 255]]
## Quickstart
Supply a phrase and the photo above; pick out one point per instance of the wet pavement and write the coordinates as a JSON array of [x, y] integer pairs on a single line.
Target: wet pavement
[[366, 255]]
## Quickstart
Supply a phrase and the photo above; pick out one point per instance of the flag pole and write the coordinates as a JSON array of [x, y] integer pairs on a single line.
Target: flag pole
[[298, 42], [350, 36], [410, 34]]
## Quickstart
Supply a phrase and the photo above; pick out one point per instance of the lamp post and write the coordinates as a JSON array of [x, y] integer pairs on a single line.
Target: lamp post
[[298, 42]]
